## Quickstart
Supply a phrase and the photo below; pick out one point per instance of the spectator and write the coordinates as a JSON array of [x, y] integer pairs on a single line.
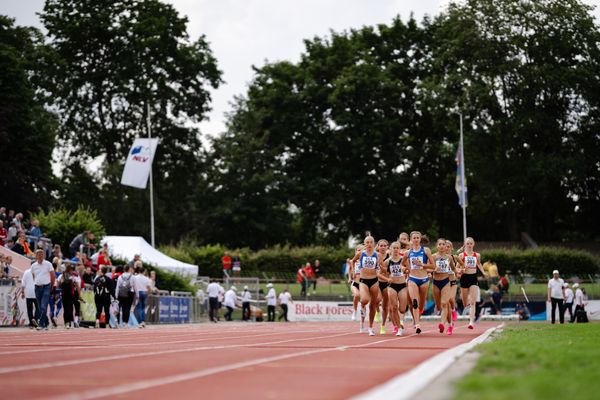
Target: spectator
[[125, 294], [12, 231], [492, 270], [3, 216], [229, 302], [84, 241], [30, 300], [579, 301], [22, 242], [226, 261], [87, 263], [317, 271], [497, 299], [556, 295], [237, 264], [43, 277], [103, 259], [75, 259], [154, 281], [271, 302], [35, 230], [18, 220], [302, 280], [143, 286], [76, 276], [9, 244], [88, 276], [102, 291], [136, 258], [213, 300], [56, 253], [284, 299], [220, 303], [310, 276], [67, 285], [503, 284], [522, 311], [3, 233], [569, 297], [5, 264], [56, 294], [246, 297]]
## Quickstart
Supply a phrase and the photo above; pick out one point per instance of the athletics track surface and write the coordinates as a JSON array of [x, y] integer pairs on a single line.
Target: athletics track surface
[[326, 360]]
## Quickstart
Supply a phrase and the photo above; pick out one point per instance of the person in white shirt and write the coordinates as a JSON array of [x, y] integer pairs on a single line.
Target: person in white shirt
[[213, 300], [569, 297], [220, 303], [143, 286], [271, 302], [43, 278], [30, 300], [579, 300], [246, 297], [284, 299], [556, 296], [229, 302]]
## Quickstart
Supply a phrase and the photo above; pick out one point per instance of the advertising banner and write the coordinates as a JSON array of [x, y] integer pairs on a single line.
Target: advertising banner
[[320, 311]]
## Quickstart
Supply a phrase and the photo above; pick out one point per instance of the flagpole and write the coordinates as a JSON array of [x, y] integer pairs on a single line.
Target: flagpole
[[462, 178], [151, 184]]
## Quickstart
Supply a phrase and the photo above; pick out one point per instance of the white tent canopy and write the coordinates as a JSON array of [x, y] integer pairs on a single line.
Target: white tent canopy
[[125, 247]]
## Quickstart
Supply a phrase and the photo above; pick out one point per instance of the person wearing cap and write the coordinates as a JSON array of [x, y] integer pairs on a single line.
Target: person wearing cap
[[569, 297], [246, 297], [229, 302], [271, 302], [556, 296]]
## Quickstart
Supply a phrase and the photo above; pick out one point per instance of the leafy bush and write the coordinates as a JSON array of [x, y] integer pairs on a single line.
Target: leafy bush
[[284, 260], [63, 225], [540, 262], [166, 280]]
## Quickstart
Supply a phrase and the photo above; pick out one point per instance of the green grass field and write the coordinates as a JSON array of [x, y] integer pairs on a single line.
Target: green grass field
[[537, 361]]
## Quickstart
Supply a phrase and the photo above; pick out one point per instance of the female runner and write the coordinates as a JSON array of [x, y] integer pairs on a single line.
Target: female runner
[[397, 288], [468, 281], [369, 290], [453, 286], [382, 252], [420, 260], [355, 287], [444, 264]]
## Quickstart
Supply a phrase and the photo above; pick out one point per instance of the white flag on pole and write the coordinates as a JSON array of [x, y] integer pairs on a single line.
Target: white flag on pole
[[139, 162]]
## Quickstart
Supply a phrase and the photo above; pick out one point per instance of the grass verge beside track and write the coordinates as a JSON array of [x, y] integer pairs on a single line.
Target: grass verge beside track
[[537, 361]]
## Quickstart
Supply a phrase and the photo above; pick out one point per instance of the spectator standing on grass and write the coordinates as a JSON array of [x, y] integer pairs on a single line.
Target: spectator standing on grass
[[102, 292], [213, 300], [302, 280], [125, 294], [246, 297], [579, 300], [317, 271], [226, 262], [556, 296], [284, 299], [43, 277], [271, 302], [143, 286], [569, 298], [30, 300], [3, 234], [229, 302], [310, 276]]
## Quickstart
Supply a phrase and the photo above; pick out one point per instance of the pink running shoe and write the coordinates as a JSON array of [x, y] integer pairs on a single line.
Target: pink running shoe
[[450, 329], [470, 326], [395, 330], [454, 315], [441, 328]]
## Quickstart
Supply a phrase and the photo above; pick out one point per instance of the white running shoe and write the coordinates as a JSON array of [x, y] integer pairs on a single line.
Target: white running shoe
[[371, 333], [400, 331], [354, 315]]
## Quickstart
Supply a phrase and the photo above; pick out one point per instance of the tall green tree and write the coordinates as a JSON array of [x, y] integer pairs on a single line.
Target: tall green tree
[[114, 59], [27, 130]]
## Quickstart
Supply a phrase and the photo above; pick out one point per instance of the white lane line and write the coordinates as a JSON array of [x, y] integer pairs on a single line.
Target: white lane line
[[152, 383], [409, 384], [32, 367]]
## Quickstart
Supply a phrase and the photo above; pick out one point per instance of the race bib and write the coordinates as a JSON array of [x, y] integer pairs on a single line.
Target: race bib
[[443, 265], [470, 262]]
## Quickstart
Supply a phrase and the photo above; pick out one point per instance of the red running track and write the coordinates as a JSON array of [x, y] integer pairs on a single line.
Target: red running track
[[323, 360]]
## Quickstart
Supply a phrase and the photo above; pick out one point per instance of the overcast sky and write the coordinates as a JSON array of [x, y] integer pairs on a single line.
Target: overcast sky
[[243, 33]]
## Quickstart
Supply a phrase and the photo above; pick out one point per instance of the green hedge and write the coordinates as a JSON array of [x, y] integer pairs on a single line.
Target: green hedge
[[540, 262], [286, 260], [166, 280], [63, 225]]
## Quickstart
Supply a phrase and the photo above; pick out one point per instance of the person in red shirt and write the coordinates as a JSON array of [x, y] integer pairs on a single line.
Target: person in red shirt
[[310, 275], [226, 261], [103, 259], [301, 278], [3, 233]]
